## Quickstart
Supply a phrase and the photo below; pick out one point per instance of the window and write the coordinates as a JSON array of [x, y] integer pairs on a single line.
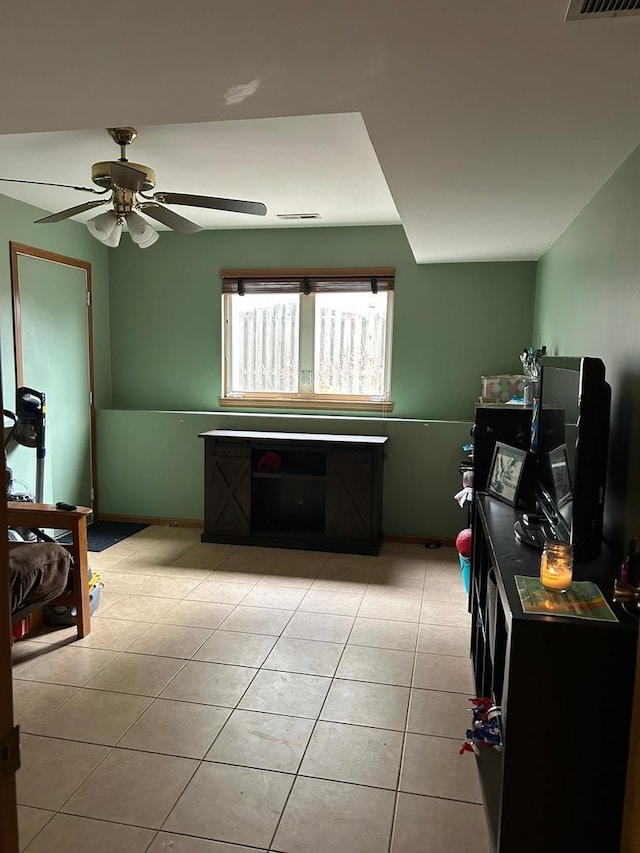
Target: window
[[307, 338]]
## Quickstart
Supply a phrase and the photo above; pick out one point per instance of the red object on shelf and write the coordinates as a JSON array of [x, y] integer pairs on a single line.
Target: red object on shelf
[[269, 461]]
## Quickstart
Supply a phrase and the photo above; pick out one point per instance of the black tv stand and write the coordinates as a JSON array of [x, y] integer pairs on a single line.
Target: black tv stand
[[565, 686]]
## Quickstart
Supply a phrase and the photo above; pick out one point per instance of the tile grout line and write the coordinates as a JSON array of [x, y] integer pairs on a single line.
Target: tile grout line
[[199, 762], [315, 725], [406, 722], [369, 586], [304, 752], [235, 707]]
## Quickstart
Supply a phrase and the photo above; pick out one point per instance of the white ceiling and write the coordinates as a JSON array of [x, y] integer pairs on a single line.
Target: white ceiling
[[303, 164], [493, 121]]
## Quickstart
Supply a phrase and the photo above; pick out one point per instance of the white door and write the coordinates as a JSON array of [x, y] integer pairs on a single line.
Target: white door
[[54, 331]]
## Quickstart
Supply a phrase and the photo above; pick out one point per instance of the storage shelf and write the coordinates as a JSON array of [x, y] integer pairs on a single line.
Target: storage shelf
[[326, 494], [544, 671]]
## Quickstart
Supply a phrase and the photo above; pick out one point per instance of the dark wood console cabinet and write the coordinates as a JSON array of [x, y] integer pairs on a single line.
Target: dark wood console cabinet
[[565, 687], [326, 495]]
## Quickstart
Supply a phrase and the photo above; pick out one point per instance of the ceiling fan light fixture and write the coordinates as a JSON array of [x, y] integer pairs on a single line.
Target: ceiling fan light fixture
[[125, 180], [113, 239], [144, 244], [141, 232], [102, 226]]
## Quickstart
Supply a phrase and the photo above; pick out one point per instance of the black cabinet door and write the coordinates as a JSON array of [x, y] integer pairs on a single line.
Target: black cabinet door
[[348, 496], [228, 492]]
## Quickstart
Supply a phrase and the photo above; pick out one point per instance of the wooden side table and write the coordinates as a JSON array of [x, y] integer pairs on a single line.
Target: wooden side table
[[25, 514]]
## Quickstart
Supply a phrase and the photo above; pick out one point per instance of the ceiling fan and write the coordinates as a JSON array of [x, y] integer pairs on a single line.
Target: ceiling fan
[[128, 185]]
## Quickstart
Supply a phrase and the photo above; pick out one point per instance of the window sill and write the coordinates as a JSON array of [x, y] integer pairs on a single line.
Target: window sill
[[307, 403]]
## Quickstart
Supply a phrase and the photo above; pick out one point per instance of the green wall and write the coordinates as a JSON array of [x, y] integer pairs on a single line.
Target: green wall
[[452, 323], [588, 303], [157, 340], [65, 238], [157, 349], [152, 464]]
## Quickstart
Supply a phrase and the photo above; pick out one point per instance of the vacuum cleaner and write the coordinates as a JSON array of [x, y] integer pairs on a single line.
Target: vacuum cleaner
[[28, 429]]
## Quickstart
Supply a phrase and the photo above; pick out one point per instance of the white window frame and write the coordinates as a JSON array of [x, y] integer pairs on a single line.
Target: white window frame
[[309, 281]]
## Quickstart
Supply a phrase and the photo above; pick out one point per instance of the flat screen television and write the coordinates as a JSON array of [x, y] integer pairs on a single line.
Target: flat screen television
[[573, 448]]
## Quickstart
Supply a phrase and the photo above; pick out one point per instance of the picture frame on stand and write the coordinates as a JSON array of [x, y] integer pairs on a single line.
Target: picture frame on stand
[[505, 475]]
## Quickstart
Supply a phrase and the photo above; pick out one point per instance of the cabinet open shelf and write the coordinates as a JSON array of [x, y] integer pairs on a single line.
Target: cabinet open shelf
[[285, 475], [282, 505], [290, 462]]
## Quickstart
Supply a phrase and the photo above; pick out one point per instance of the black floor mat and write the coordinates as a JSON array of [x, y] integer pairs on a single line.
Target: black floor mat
[[104, 534]]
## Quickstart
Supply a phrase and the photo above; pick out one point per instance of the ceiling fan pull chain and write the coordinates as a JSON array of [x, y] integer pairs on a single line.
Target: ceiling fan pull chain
[[48, 184]]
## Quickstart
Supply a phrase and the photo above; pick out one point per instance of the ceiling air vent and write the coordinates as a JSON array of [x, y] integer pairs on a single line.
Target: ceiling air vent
[[299, 216], [586, 10]]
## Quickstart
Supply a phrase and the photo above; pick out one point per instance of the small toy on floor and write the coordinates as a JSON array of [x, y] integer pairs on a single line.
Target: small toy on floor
[[485, 727]]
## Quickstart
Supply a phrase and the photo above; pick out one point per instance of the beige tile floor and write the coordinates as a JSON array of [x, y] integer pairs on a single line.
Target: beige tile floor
[[233, 699]]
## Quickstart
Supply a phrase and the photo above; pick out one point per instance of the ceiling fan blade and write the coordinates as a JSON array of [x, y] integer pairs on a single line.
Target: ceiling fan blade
[[168, 217], [48, 184], [126, 177], [232, 204], [72, 211]]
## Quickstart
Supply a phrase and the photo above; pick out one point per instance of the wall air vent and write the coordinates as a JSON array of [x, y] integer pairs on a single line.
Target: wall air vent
[[299, 216], [587, 10]]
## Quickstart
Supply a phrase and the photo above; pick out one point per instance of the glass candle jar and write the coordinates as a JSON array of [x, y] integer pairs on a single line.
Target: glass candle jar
[[556, 566]]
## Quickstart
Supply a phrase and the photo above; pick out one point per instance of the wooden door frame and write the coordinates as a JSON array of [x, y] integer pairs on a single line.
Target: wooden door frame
[[16, 251]]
